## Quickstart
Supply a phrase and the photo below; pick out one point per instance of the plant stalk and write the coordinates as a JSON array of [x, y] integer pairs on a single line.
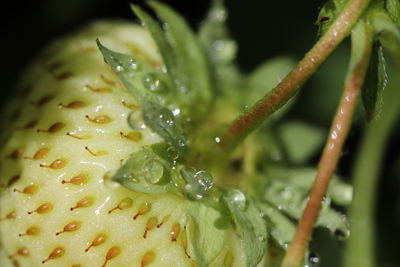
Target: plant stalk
[[360, 249], [333, 147], [289, 86]]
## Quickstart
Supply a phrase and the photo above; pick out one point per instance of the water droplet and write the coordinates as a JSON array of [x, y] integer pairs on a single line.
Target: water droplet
[[204, 179], [118, 68], [217, 140], [239, 199], [181, 142], [172, 153], [167, 121], [152, 83], [225, 49], [135, 120], [134, 65], [334, 135], [175, 110], [191, 192], [218, 14], [163, 69], [130, 177], [199, 183], [313, 259], [153, 171]]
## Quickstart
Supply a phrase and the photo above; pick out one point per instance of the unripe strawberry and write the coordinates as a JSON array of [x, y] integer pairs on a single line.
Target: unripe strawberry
[[104, 150], [58, 204]]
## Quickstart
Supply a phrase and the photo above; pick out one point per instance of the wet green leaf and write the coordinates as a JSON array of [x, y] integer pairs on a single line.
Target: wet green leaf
[[130, 70], [215, 37], [158, 35], [291, 199], [221, 49], [209, 236], [198, 183], [146, 171], [300, 140], [249, 224], [194, 79], [375, 82], [185, 61], [162, 121], [281, 228], [339, 191], [153, 112]]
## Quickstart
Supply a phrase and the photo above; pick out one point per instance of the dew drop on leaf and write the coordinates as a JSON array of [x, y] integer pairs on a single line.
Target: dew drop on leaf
[[152, 83], [134, 65], [153, 171], [118, 68], [199, 183], [172, 153], [218, 14], [238, 198], [204, 179], [130, 177], [135, 121]]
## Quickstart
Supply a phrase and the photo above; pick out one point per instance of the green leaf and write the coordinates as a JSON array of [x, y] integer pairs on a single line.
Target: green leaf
[[146, 171], [215, 37], [198, 183], [209, 236], [185, 62], [393, 8], [221, 50], [250, 226], [162, 121], [328, 14], [375, 82], [161, 41], [130, 70], [361, 51], [300, 140], [387, 31], [339, 191], [139, 79], [264, 78], [281, 228], [291, 199]]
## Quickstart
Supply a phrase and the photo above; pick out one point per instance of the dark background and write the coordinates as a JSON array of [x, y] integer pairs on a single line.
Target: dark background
[[263, 29]]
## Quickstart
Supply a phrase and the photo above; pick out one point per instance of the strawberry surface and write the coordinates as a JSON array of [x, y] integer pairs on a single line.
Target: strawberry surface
[[59, 205]]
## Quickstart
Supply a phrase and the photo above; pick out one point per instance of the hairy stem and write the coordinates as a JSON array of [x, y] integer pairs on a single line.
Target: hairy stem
[[288, 87], [360, 250], [361, 39]]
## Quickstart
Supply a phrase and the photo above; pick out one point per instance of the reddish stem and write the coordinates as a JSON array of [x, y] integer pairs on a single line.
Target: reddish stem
[[332, 150], [289, 86]]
